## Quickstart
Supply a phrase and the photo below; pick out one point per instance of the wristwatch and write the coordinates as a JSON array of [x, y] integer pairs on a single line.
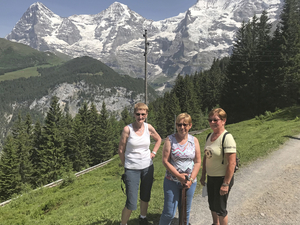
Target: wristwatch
[[224, 184], [193, 181]]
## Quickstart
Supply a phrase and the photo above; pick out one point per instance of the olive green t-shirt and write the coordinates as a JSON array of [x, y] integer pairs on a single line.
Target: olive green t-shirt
[[214, 156]]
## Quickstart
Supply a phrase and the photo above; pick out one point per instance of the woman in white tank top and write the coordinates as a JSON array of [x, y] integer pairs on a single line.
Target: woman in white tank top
[[136, 158]]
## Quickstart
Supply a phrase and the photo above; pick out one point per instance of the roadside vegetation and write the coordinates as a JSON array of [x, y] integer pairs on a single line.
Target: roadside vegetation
[[97, 198]]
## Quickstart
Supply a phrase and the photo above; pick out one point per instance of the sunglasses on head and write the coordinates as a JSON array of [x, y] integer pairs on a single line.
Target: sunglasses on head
[[138, 114], [215, 120], [181, 124]]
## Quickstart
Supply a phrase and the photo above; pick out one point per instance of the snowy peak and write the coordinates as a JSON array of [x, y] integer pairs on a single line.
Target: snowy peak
[[205, 4], [39, 10], [118, 11], [178, 45]]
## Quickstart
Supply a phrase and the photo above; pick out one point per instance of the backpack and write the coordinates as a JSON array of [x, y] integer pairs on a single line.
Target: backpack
[[237, 164]]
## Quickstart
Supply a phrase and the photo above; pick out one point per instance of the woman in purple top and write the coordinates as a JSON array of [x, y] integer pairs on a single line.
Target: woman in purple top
[[181, 157]]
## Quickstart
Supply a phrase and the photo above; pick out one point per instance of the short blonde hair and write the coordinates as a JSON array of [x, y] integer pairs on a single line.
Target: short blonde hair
[[187, 118], [140, 106], [220, 112]]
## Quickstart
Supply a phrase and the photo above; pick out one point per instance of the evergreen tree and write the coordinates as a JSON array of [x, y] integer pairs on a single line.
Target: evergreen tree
[[289, 39], [24, 143], [151, 118], [172, 110], [161, 121], [78, 145], [10, 178], [180, 91], [35, 156], [93, 130], [106, 135], [247, 74], [264, 76], [116, 133], [52, 162], [126, 117]]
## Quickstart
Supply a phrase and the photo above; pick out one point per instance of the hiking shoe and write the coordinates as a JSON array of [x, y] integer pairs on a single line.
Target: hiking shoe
[[143, 221]]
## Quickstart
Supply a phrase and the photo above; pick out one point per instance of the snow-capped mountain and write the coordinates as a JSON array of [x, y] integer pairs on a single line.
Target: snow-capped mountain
[[183, 44]]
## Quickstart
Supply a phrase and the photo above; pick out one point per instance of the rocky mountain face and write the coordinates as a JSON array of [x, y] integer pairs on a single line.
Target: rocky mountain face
[[71, 99], [183, 44]]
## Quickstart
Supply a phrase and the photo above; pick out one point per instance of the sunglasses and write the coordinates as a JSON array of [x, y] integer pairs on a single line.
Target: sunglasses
[[215, 120], [138, 114], [181, 124]]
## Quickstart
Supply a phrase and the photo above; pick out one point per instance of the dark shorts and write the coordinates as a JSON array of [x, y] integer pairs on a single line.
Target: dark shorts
[[132, 182], [217, 203]]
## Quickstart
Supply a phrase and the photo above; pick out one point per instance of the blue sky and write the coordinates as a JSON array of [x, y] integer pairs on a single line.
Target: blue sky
[[12, 10]]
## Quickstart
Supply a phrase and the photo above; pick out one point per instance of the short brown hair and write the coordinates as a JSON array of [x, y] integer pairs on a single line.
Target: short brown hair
[[140, 106], [187, 118], [220, 112]]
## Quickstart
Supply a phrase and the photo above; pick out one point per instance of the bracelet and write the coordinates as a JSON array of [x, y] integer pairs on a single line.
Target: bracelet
[[224, 184], [154, 153]]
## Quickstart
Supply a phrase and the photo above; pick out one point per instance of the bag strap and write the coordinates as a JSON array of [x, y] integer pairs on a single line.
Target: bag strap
[[123, 181], [223, 146], [223, 139], [208, 136]]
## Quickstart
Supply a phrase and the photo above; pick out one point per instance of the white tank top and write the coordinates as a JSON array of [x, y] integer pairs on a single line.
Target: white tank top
[[137, 153]]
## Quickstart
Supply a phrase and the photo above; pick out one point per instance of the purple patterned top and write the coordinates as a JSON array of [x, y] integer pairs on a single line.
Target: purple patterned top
[[181, 156]]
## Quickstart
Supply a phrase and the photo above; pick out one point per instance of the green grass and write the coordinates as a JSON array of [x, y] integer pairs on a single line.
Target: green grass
[[96, 198], [27, 72]]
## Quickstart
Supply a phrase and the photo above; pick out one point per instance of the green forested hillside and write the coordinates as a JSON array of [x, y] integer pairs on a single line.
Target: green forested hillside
[[90, 70], [16, 56]]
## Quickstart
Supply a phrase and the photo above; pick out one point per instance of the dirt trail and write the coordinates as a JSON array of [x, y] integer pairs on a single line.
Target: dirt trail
[[265, 192]]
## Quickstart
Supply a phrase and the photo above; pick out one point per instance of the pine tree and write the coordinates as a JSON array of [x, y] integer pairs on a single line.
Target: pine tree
[[126, 117], [161, 121], [25, 149], [289, 39], [151, 118], [23, 139], [52, 153], [106, 135], [172, 110], [116, 133], [78, 145], [10, 178], [247, 73], [35, 156], [180, 91]]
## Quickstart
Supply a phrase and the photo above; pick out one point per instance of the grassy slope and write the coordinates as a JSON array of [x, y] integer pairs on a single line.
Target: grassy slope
[[27, 72], [96, 198], [14, 55]]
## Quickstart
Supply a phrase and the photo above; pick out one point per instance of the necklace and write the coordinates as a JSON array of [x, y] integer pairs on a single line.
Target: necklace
[[139, 130]]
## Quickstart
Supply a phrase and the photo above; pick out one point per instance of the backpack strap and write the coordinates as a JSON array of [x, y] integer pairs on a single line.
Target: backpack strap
[[208, 136], [223, 139], [223, 146]]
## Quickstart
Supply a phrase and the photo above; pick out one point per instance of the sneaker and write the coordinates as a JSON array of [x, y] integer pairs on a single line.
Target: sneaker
[[143, 221]]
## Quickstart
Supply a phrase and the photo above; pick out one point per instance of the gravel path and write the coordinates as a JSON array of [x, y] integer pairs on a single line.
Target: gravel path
[[265, 192]]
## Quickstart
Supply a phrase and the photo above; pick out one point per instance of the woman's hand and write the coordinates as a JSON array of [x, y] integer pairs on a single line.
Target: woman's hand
[[224, 190], [202, 180], [182, 178], [188, 184], [152, 155]]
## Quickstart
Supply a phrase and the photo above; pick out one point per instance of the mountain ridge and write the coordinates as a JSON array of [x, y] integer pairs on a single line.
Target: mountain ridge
[[182, 44]]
